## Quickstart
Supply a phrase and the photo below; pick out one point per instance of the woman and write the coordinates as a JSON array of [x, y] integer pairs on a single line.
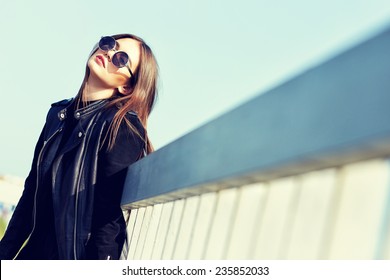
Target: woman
[[70, 207]]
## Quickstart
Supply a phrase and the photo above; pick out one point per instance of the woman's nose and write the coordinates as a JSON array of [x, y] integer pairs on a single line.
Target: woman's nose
[[110, 54]]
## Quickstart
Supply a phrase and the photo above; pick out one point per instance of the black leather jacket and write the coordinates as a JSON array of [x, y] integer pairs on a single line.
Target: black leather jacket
[[86, 184]]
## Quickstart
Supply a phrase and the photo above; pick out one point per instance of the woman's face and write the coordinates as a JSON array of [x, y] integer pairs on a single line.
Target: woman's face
[[105, 74]]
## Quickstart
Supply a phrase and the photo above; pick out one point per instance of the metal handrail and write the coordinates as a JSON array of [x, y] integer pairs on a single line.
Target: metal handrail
[[330, 115]]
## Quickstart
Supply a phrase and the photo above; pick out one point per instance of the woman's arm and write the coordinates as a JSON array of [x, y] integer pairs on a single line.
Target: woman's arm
[[108, 225]]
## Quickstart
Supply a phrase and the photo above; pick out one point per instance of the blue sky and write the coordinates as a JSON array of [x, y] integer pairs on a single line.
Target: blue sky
[[213, 55]]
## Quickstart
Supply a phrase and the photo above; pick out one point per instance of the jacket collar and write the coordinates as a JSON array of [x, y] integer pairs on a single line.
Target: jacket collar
[[90, 108], [82, 112]]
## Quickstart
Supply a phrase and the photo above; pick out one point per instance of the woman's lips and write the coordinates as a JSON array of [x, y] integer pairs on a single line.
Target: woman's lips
[[100, 60]]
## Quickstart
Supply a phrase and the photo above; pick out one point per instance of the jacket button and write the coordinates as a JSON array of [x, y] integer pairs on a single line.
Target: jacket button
[[62, 115], [80, 134], [77, 115]]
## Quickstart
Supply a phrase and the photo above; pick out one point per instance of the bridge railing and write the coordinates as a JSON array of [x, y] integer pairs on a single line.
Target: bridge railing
[[299, 172]]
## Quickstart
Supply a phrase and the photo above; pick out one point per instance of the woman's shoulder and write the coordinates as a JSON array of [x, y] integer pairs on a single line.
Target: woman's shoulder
[[58, 109], [131, 115], [62, 103]]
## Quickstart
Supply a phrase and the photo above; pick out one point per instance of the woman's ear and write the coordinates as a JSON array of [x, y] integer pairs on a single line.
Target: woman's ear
[[125, 90]]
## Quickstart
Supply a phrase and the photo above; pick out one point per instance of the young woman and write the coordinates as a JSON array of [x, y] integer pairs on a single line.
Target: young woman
[[70, 207]]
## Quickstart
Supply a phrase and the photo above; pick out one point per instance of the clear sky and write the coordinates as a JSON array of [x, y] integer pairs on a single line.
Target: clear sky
[[213, 55]]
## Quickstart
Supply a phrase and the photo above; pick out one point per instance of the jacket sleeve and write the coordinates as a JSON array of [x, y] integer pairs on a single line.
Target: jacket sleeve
[[108, 225], [21, 223]]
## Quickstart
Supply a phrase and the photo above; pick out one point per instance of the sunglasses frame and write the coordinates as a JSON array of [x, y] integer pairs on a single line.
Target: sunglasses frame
[[116, 52]]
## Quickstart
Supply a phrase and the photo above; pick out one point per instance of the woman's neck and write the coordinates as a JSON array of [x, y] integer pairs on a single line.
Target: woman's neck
[[93, 91]]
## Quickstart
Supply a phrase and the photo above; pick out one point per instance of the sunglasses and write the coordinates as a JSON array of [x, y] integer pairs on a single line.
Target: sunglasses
[[120, 58]]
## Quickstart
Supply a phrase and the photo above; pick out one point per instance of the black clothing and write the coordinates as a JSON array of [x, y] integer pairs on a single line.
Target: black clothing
[[70, 207]]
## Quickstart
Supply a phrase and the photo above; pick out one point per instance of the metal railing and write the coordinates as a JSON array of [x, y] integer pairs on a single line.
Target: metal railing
[[331, 115], [328, 117]]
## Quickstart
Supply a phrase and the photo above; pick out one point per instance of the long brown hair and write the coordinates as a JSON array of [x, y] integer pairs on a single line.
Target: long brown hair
[[142, 96]]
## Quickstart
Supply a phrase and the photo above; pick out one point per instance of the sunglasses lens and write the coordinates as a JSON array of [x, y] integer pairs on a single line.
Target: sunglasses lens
[[120, 59], [107, 43]]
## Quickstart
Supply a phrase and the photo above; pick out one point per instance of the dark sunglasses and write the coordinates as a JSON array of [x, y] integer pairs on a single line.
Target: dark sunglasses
[[120, 58]]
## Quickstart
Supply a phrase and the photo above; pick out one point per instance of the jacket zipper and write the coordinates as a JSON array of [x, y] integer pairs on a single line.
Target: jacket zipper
[[76, 207], [37, 185], [75, 228], [75, 223]]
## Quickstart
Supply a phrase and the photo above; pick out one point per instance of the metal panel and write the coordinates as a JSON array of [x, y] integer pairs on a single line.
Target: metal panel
[[187, 227], [361, 211], [130, 229], [173, 229], [383, 244], [249, 212], [314, 207], [276, 220], [203, 223], [136, 232], [162, 230], [143, 232], [151, 235], [221, 227]]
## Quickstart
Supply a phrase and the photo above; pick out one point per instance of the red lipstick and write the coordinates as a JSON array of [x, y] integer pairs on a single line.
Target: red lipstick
[[100, 60]]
